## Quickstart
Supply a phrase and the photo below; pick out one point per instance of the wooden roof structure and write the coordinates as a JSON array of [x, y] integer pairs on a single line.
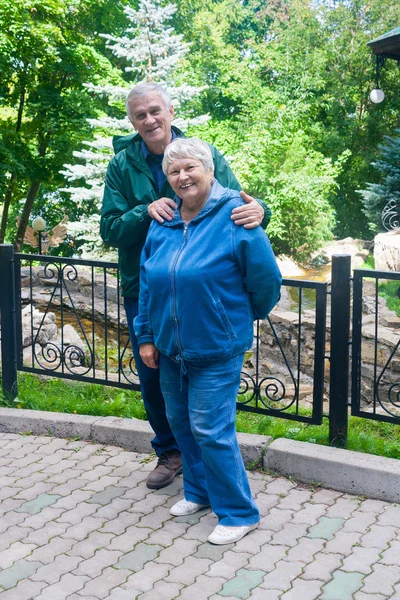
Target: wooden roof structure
[[387, 45]]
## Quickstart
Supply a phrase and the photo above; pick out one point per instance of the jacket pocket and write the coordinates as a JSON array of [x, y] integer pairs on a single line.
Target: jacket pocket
[[225, 320]]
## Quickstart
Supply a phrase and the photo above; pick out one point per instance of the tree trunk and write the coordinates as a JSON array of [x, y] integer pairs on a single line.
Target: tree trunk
[[7, 202], [19, 238]]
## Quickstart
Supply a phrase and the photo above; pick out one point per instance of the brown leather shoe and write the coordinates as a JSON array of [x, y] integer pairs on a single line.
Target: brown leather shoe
[[169, 464]]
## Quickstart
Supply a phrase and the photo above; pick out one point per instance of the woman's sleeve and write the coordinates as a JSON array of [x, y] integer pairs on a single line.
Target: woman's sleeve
[[261, 275], [141, 323]]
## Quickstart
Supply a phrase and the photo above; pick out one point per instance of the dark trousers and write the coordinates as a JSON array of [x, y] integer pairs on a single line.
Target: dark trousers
[[151, 392]]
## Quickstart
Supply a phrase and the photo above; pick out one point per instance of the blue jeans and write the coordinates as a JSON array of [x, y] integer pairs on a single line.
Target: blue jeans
[[151, 392], [201, 408]]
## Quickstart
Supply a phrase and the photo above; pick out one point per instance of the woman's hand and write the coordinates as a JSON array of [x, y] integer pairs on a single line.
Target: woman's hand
[[249, 215], [162, 209], [149, 355]]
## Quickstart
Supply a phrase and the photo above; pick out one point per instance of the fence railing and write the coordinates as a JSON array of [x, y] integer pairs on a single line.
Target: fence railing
[[64, 317]]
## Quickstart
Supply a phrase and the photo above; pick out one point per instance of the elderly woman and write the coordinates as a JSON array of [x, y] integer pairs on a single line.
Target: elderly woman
[[203, 282]]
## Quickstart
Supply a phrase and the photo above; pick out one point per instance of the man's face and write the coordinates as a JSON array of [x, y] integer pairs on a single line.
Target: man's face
[[152, 120]]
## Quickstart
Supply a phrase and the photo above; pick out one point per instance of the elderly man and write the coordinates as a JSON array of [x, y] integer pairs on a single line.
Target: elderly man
[[136, 191]]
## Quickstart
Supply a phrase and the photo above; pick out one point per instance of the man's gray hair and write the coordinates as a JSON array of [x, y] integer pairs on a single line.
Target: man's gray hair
[[188, 148], [144, 89]]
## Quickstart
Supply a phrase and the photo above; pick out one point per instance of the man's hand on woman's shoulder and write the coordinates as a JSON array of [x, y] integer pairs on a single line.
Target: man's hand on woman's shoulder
[[249, 215], [162, 209]]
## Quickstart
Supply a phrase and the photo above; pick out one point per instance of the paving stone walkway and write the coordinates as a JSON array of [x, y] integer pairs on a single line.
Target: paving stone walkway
[[77, 522]]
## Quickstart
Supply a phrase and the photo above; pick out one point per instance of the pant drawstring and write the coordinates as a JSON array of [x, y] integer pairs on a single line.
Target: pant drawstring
[[182, 370]]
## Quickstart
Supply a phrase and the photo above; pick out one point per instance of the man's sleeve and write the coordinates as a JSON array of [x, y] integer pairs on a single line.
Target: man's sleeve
[[224, 175], [120, 225]]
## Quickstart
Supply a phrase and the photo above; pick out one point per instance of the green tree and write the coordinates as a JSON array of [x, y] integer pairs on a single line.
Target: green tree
[[45, 55], [377, 195]]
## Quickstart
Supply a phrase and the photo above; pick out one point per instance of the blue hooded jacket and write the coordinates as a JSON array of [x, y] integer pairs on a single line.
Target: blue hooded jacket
[[203, 284]]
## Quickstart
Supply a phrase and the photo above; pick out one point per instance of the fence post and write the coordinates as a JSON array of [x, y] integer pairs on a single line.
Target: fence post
[[7, 310], [339, 355]]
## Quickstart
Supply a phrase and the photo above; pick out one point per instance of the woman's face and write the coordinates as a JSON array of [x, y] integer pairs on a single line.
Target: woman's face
[[189, 180]]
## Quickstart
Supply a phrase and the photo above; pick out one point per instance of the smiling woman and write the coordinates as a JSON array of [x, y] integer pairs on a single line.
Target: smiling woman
[[203, 282]]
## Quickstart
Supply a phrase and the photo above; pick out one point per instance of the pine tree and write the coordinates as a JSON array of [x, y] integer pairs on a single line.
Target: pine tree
[[376, 195], [152, 51]]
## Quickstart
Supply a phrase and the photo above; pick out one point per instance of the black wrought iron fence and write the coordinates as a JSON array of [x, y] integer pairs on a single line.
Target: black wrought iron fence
[[70, 323], [64, 317]]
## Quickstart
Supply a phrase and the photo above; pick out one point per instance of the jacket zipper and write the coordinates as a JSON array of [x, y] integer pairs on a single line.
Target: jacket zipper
[[173, 287]]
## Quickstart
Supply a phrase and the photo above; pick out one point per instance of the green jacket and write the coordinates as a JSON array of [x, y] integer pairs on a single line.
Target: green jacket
[[129, 189]]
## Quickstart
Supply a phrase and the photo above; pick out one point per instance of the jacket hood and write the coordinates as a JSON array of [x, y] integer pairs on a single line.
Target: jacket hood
[[217, 197], [121, 142]]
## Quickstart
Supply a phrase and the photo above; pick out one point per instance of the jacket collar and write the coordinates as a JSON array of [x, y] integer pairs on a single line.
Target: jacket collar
[[216, 198]]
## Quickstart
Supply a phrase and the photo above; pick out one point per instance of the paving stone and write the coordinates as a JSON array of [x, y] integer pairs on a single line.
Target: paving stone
[[374, 506], [359, 521], [172, 489], [87, 547], [128, 540], [20, 570], [92, 567], [113, 510], [309, 514], [382, 580], [156, 519], [202, 589], [289, 534], [391, 556], [146, 579], [342, 508], [378, 537], [265, 502], [188, 571], [343, 585], [135, 560], [361, 560], [391, 516], [282, 576], [325, 528], [305, 550], [34, 506], [119, 524], [362, 596], [276, 519], [25, 590], [101, 586], [77, 514], [254, 541], [267, 557], [53, 572], [121, 594], [229, 564], [176, 553], [55, 547], [259, 594], [279, 486], [67, 585], [15, 552], [170, 532], [46, 533], [295, 500], [343, 542], [163, 591], [242, 584], [212, 551], [82, 530], [304, 590], [322, 567], [107, 495]]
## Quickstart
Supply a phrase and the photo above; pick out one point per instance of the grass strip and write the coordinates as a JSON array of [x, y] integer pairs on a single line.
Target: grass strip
[[57, 395]]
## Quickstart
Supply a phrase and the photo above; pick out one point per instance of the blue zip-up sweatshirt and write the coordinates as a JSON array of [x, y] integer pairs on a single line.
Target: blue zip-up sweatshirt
[[203, 284]]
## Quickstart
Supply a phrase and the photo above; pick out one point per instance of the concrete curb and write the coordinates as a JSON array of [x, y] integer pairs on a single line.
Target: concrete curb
[[341, 470], [131, 434]]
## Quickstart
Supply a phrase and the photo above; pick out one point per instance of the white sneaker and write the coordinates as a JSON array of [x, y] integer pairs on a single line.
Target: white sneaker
[[185, 507], [229, 535]]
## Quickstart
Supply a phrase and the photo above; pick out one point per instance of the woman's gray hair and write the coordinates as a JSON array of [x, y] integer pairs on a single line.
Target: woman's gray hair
[[144, 89], [188, 148]]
